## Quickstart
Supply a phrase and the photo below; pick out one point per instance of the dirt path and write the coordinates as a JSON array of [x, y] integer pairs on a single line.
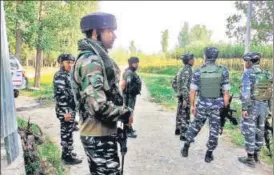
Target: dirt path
[[156, 151]]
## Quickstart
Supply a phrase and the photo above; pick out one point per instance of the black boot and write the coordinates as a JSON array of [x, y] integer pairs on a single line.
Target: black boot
[[73, 154], [249, 160], [70, 160], [256, 156], [131, 129], [209, 157], [184, 151], [131, 134], [177, 131]]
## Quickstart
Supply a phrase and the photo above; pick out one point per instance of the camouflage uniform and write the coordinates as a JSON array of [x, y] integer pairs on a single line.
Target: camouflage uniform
[[252, 126], [131, 79], [64, 104], [94, 81], [183, 84]]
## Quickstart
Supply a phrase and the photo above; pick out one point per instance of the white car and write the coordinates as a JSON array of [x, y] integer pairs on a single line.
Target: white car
[[19, 80]]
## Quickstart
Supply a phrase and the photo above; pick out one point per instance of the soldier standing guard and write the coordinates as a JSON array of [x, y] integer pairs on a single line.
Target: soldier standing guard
[[256, 93], [65, 107], [211, 81], [131, 86], [97, 93], [181, 85]]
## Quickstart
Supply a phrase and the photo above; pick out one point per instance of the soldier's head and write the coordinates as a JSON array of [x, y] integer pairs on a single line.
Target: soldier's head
[[100, 26], [188, 59], [133, 62], [251, 58], [66, 61], [211, 53]]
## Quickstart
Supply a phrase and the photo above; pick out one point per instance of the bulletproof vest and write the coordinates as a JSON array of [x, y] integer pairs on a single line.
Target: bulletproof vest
[[263, 85], [210, 82], [134, 88]]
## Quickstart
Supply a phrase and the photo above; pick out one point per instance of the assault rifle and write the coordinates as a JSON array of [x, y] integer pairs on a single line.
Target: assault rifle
[[122, 140], [227, 113], [267, 130]]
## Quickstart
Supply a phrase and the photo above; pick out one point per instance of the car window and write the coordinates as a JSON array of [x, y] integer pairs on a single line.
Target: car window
[[14, 64]]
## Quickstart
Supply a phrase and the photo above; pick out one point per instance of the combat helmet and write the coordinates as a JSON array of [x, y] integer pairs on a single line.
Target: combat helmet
[[211, 53], [65, 57], [186, 57], [98, 20], [254, 57]]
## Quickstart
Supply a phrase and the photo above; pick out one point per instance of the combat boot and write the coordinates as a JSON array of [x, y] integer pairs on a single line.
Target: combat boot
[[73, 154], [177, 131], [70, 160], [256, 156], [184, 151], [249, 160], [131, 135], [209, 157]]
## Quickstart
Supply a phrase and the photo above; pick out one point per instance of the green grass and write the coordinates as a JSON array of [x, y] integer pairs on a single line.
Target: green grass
[[48, 150], [160, 90], [46, 87]]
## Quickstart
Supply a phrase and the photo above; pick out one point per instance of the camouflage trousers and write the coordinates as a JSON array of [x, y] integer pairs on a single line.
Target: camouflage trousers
[[102, 153], [214, 125], [252, 127], [182, 117], [66, 134]]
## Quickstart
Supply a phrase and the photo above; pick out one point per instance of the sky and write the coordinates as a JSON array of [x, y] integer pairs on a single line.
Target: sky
[[143, 21]]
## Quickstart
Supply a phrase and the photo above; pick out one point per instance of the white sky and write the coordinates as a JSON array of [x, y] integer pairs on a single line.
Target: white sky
[[143, 21]]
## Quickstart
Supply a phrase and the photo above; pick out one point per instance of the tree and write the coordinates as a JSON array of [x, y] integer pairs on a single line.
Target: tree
[[183, 38], [261, 22], [200, 34], [132, 48], [164, 41]]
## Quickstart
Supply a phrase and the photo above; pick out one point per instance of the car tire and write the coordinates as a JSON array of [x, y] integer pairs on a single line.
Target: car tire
[[16, 93]]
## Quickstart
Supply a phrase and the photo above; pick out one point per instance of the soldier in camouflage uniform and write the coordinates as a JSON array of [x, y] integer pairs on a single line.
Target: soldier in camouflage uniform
[[182, 80], [65, 107], [256, 91], [131, 87], [211, 81], [96, 91]]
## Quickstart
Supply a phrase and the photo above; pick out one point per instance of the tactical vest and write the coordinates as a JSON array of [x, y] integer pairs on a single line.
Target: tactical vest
[[263, 85], [210, 81], [135, 86]]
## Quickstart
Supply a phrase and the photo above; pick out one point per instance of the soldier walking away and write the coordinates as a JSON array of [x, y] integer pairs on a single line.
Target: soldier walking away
[[181, 85], [96, 91], [65, 107], [256, 92], [211, 81], [131, 87]]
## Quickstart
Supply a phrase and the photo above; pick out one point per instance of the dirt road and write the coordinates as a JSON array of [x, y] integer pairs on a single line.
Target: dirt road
[[156, 151]]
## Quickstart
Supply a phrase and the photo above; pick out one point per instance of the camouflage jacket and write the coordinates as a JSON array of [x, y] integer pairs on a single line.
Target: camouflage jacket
[[183, 81], [210, 103], [247, 86], [63, 94], [90, 76], [133, 83]]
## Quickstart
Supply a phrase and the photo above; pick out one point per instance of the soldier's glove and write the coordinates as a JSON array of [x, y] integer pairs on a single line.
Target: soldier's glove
[[126, 115]]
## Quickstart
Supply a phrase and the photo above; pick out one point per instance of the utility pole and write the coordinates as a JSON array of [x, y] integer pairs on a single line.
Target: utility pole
[[248, 24]]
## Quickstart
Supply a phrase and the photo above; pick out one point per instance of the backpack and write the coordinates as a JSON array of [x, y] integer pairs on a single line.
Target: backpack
[[263, 85]]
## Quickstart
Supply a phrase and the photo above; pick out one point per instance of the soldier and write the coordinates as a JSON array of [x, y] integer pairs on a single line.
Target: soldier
[[256, 91], [97, 93], [211, 81], [131, 87], [183, 79], [65, 107]]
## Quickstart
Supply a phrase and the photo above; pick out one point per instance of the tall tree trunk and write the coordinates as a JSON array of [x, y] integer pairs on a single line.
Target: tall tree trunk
[[19, 36], [38, 68], [38, 50]]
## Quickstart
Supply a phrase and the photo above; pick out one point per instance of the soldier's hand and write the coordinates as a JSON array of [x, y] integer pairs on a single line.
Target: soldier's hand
[[67, 117], [130, 120], [193, 110], [244, 114]]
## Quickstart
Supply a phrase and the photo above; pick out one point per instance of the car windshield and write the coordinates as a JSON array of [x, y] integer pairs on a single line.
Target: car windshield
[[13, 64]]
